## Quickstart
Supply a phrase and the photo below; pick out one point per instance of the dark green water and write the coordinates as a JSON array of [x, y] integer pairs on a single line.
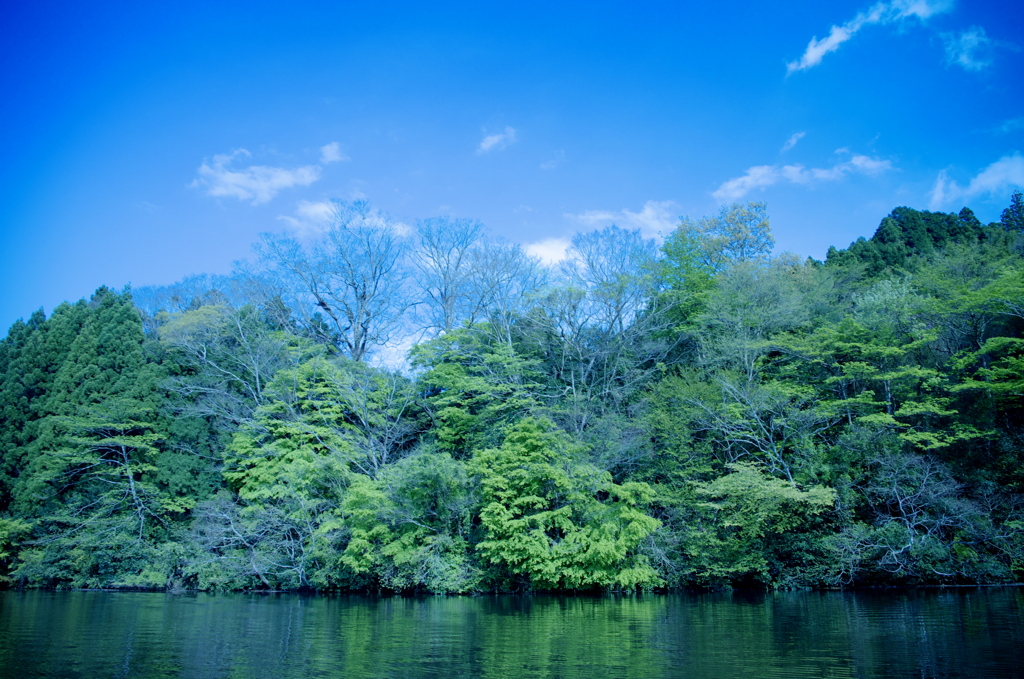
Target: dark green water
[[963, 633]]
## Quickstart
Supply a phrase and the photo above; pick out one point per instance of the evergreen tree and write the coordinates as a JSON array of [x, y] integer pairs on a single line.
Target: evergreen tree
[[1013, 217], [90, 484]]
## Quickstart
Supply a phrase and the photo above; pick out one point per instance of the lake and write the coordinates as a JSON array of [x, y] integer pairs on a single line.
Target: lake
[[904, 633]]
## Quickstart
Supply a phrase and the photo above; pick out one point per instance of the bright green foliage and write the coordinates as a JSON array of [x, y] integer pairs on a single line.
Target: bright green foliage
[[684, 274], [411, 528], [717, 417], [998, 368], [552, 522], [292, 436], [324, 411], [997, 365], [752, 528], [329, 427], [873, 370], [475, 387], [290, 467]]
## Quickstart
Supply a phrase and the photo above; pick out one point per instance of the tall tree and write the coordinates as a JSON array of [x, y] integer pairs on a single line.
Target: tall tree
[[738, 233], [1012, 218], [92, 483], [445, 267], [352, 278]]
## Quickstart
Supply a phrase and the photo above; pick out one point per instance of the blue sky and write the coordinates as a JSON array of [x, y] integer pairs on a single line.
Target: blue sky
[[143, 144]]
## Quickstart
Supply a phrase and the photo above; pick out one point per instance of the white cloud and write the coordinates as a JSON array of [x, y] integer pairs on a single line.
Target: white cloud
[[549, 251], [879, 13], [792, 141], [763, 176], [259, 183], [310, 218], [313, 218], [655, 219], [998, 178], [554, 162], [331, 153], [496, 142]]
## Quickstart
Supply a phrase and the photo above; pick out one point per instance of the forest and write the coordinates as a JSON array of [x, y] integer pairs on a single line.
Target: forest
[[390, 408]]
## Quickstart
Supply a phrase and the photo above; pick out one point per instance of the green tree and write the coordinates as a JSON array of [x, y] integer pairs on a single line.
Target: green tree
[[739, 233], [686, 278], [475, 386], [554, 522], [32, 355], [1012, 218], [229, 357], [753, 528], [92, 485], [411, 529], [328, 424]]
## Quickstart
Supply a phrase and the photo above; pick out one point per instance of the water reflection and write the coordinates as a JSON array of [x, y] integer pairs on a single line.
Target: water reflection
[[921, 634]]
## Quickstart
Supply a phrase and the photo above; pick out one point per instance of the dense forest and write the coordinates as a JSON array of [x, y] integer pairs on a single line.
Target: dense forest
[[389, 408]]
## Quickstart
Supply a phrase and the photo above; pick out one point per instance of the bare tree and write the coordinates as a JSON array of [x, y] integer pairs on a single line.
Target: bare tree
[[598, 332], [445, 270], [467, 277], [273, 543], [505, 282], [233, 354], [351, 281], [613, 266]]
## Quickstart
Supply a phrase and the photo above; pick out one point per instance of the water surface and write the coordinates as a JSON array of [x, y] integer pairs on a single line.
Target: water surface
[[936, 633]]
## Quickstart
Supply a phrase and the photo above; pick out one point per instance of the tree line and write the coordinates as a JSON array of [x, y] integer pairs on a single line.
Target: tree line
[[392, 408]]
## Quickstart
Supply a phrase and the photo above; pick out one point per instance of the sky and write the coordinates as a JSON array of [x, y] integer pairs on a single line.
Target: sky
[[144, 143]]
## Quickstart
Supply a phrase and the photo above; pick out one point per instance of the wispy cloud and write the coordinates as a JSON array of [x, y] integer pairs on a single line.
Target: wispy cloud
[[549, 251], [258, 183], [879, 13], [655, 218], [763, 176], [310, 218], [972, 49], [1011, 125], [496, 142], [792, 141], [331, 153], [554, 162], [997, 179]]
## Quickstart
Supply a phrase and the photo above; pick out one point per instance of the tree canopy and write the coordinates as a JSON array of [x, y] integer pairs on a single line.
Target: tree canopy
[[428, 409]]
